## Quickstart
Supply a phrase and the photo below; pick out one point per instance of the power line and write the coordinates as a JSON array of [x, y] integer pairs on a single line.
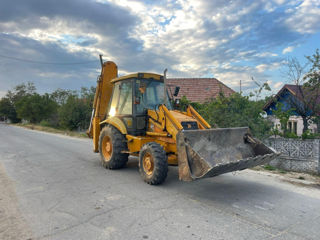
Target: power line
[[48, 63]]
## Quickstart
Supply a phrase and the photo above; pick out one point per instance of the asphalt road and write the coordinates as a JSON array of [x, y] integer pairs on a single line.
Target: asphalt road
[[62, 192]]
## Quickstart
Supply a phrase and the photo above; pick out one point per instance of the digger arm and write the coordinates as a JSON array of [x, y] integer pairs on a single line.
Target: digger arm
[[170, 121], [101, 101], [203, 124]]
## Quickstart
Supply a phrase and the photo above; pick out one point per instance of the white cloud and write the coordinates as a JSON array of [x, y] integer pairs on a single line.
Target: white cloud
[[232, 79], [279, 2], [232, 76], [287, 50], [267, 67], [305, 17], [277, 85], [262, 67], [190, 37], [270, 7], [266, 54]]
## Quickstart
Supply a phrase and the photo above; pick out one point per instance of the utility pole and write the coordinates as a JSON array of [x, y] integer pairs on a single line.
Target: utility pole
[[240, 88]]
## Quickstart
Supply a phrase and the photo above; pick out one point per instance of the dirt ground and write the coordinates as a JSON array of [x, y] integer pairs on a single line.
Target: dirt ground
[[12, 225], [302, 179]]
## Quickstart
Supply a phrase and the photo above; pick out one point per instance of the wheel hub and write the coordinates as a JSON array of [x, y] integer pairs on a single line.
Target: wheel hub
[[148, 164], [107, 147]]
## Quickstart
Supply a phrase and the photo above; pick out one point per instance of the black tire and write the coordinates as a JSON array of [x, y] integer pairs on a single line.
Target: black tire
[[158, 172], [113, 159]]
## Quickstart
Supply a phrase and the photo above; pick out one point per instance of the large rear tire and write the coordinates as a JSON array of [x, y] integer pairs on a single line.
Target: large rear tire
[[111, 146], [153, 165]]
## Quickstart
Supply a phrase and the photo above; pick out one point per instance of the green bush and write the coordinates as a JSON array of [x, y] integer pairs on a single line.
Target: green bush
[[233, 111], [7, 110], [290, 135], [75, 114], [45, 123], [309, 135], [35, 107], [269, 167]]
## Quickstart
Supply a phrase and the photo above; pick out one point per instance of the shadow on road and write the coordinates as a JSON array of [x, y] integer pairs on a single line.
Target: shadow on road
[[224, 189]]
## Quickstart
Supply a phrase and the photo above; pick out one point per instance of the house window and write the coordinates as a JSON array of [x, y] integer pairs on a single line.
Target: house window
[[292, 126]]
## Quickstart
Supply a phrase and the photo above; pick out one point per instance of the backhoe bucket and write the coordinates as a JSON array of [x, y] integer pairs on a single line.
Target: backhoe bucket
[[210, 152]]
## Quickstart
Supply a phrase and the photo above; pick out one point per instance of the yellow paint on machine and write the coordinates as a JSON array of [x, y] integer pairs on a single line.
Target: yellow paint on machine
[[117, 123], [163, 136]]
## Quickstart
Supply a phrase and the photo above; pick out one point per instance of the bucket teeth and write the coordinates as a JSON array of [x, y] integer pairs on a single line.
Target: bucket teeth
[[211, 152]]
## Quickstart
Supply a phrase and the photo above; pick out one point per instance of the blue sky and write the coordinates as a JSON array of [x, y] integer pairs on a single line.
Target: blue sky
[[228, 40]]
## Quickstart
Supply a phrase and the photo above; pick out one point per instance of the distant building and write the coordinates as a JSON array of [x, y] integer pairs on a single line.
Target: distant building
[[199, 89], [285, 96]]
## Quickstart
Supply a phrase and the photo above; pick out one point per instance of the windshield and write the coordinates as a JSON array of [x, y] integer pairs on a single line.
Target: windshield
[[149, 94]]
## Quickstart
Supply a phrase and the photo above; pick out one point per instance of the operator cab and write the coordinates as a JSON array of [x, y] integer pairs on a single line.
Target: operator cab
[[132, 96]]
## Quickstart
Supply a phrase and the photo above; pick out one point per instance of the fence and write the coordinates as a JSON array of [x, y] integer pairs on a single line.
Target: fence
[[297, 155]]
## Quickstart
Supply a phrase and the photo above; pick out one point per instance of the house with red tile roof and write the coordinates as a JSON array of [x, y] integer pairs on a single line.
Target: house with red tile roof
[[199, 89]]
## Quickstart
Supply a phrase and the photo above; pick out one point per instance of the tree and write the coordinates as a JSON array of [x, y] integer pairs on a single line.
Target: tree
[[21, 90], [237, 111], [74, 107], [60, 96], [87, 94], [262, 86], [35, 107], [306, 101], [65, 108], [8, 103], [183, 103], [312, 85], [233, 111], [7, 110], [73, 114], [283, 116]]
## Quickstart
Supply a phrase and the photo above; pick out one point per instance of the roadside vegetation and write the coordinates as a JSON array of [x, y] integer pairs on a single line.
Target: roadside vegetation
[[235, 111], [68, 110], [62, 110], [39, 127], [300, 178]]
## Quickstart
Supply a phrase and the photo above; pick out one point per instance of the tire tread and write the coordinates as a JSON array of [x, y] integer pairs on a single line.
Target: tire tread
[[118, 159], [160, 163]]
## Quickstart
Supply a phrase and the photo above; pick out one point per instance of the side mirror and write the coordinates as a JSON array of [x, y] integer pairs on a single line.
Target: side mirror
[[176, 91]]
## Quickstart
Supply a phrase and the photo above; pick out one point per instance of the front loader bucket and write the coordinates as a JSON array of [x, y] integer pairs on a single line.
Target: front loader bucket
[[210, 152]]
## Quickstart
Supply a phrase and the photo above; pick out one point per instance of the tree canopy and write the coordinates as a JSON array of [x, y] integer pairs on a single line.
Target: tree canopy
[[233, 111], [61, 108]]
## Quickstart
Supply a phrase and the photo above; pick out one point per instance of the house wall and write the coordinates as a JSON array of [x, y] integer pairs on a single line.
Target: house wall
[[298, 119]]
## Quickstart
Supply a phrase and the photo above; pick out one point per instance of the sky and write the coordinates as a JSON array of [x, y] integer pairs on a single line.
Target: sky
[[56, 44]]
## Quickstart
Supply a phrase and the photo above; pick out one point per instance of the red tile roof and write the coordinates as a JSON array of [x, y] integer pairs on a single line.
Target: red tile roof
[[199, 89]]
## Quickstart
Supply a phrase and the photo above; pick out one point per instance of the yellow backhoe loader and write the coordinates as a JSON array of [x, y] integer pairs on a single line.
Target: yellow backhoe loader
[[132, 115]]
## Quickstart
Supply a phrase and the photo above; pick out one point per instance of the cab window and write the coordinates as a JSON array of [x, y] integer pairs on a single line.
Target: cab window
[[125, 99], [115, 99], [148, 95]]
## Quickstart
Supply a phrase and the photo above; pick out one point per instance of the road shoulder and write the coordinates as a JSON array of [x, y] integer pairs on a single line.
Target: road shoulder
[[12, 224]]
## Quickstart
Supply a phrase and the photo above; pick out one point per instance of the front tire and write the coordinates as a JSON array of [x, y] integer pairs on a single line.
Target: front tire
[[153, 165], [111, 146]]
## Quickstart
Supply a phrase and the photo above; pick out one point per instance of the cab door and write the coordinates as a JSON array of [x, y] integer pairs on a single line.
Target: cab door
[[121, 103]]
